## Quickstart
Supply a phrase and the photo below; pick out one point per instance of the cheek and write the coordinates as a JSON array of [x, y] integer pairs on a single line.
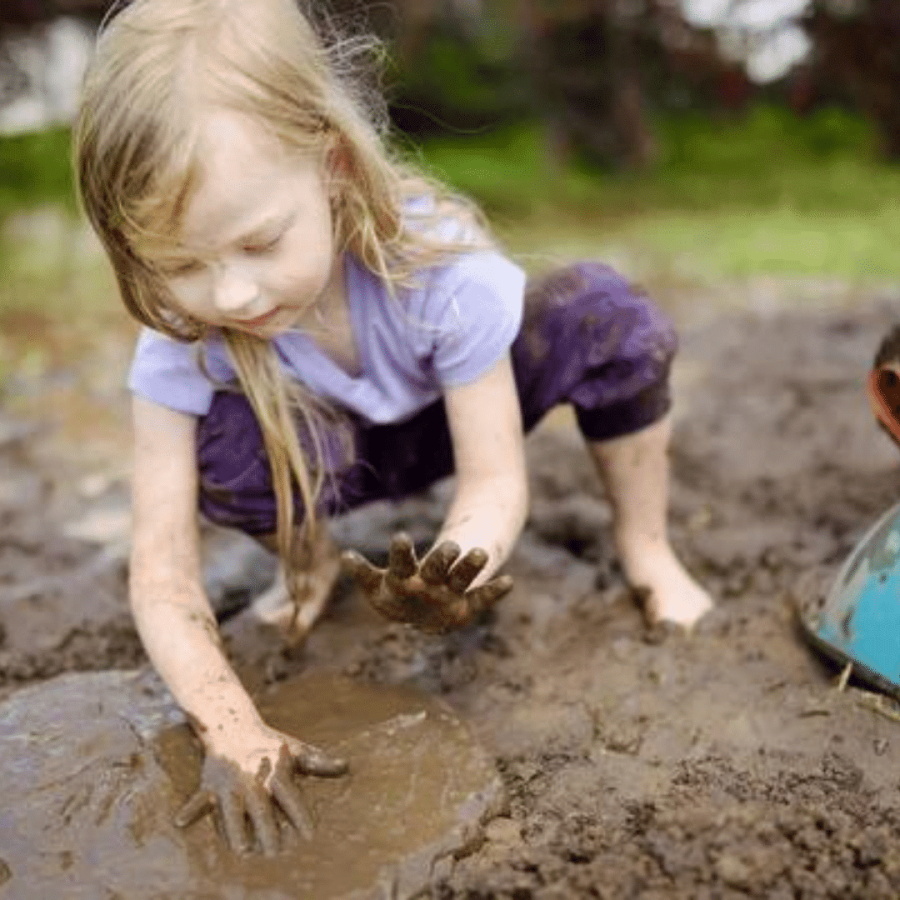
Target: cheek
[[192, 297], [307, 259], [291, 281]]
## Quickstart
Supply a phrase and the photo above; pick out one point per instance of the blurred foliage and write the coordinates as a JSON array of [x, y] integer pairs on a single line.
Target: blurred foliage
[[772, 145], [770, 192], [598, 74], [855, 50], [35, 169], [824, 160], [589, 72], [770, 157], [456, 80]]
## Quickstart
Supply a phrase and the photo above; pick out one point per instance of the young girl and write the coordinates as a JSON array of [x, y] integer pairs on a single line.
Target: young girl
[[323, 328]]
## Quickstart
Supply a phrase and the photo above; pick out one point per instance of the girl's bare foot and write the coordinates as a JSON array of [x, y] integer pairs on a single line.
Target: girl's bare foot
[[635, 470], [668, 592]]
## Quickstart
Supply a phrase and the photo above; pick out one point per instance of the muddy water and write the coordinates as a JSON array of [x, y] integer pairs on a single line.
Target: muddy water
[[89, 795]]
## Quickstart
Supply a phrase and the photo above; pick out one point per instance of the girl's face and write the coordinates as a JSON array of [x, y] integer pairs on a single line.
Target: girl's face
[[256, 248]]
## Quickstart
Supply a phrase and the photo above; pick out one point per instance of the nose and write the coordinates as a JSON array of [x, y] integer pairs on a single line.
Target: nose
[[234, 291]]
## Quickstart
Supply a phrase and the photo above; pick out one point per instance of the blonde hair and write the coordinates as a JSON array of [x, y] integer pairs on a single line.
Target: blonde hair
[[158, 65]]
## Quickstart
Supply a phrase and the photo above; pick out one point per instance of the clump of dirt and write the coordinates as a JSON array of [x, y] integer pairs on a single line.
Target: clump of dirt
[[724, 764]]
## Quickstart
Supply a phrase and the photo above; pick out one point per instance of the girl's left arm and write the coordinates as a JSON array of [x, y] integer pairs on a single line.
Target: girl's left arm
[[491, 498], [456, 580]]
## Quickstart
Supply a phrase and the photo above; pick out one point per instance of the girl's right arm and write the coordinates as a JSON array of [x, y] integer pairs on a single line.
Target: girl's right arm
[[172, 613], [179, 632]]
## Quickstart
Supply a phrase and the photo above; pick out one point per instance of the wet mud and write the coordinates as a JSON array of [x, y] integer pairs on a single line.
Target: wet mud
[[727, 764], [90, 796]]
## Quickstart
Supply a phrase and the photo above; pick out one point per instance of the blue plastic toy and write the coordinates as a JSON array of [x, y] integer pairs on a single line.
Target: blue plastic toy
[[857, 620]]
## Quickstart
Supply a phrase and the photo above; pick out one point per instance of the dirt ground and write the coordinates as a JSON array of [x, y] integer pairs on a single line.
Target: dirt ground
[[638, 764]]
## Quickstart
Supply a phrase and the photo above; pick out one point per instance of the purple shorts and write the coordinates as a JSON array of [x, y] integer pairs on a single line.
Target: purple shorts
[[587, 339]]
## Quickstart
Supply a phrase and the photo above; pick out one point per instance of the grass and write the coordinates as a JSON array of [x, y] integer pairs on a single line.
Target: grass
[[35, 170], [56, 293], [770, 194]]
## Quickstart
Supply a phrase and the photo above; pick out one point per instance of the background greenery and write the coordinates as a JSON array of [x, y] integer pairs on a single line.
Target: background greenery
[[766, 192], [769, 192]]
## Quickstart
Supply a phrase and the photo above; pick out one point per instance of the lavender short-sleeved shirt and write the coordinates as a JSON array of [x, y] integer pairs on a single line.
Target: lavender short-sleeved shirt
[[446, 333]]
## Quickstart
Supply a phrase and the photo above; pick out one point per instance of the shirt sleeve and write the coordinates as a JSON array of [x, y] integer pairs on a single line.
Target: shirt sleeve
[[475, 307], [168, 372]]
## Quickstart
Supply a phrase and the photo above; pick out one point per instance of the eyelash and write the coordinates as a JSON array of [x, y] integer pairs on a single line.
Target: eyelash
[[182, 270], [263, 248], [179, 270]]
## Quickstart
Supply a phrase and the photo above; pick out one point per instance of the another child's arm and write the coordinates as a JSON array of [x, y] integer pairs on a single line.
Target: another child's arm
[[454, 581], [246, 763]]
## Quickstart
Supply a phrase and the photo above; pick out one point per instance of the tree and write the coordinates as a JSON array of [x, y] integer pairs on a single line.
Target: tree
[[15, 14], [591, 70], [855, 47]]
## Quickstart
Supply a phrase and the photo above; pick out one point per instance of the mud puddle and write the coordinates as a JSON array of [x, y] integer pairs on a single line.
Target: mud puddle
[[89, 797]]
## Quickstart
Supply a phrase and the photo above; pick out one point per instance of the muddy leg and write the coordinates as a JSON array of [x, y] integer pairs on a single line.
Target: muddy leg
[[635, 471]]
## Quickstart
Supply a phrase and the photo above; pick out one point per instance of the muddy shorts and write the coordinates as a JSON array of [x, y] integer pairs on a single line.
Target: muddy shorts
[[587, 339]]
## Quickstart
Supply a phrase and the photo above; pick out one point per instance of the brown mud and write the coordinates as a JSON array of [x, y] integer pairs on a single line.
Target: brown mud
[[636, 765], [89, 795]]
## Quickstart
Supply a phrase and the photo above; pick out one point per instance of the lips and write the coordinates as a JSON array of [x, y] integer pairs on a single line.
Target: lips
[[259, 320]]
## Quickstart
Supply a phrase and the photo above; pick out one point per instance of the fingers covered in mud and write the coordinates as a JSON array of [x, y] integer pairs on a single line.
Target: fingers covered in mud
[[463, 573], [434, 595], [258, 812], [436, 565], [401, 558]]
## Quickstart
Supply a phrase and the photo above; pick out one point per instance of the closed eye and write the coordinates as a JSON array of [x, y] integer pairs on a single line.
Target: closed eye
[[261, 248], [178, 268]]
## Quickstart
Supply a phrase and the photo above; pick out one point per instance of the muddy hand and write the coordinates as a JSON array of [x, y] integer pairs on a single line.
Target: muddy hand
[[246, 805], [434, 595]]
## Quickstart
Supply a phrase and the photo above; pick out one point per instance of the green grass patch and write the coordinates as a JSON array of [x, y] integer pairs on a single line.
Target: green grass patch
[[35, 171], [52, 265], [56, 291], [770, 193], [781, 241]]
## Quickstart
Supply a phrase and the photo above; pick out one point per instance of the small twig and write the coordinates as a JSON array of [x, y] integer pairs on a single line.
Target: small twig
[[877, 703], [845, 677]]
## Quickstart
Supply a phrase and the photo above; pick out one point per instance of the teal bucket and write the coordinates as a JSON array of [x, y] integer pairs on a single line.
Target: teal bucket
[[858, 620]]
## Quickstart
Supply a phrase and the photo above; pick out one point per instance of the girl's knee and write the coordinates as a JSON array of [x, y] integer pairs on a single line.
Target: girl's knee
[[592, 339], [588, 307]]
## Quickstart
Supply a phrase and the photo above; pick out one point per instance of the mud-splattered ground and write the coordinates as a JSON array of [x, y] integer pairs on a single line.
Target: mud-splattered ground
[[637, 765]]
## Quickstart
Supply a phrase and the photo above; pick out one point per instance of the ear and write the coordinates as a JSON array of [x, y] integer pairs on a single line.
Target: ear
[[337, 159]]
